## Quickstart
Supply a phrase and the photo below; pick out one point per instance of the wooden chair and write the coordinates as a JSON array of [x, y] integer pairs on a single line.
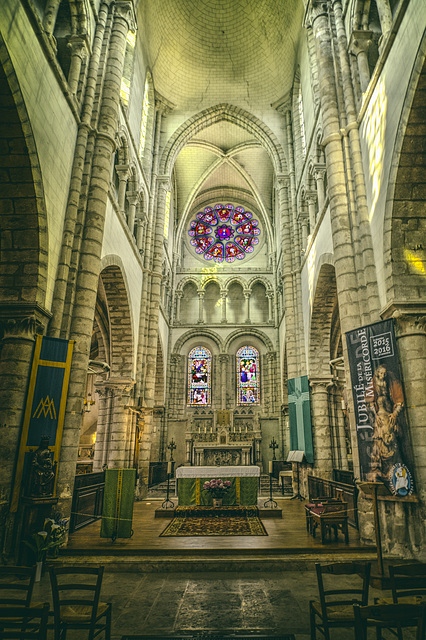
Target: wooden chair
[[408, 583], [335, 606], [76, 593], [315, 503], [16, 586], [24, 623], [331, 516], [389, 616]]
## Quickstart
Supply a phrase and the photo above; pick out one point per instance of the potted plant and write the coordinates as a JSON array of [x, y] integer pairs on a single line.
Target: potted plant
[[46, 543], [217, 487]]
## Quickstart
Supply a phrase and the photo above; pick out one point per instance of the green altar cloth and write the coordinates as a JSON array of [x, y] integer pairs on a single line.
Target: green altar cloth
[[117, 510], [242, 491]]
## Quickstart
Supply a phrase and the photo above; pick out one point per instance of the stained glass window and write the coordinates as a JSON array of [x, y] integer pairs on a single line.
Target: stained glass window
[[199, 377], [224, 232], [248, 376]]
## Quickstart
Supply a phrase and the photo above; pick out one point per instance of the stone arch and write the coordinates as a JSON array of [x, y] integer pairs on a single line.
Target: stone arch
[[65, 20], [189, 303], [120, 321], [244, 334], [23, 223], [215, 114], [324, 303], [238, 279], [190, 337], [261, 280], [259, 303], [235, 301], [212, 301], [404, 232], [185, 281]]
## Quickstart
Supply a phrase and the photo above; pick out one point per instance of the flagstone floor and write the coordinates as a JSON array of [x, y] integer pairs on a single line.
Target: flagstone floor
[[169, 602]]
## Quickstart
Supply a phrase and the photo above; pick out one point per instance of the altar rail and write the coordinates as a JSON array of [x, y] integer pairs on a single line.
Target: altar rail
[[332, 489], [87, 499]]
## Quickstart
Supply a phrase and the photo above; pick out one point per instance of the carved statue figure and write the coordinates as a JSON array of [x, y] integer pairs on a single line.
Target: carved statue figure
[[42, 471]]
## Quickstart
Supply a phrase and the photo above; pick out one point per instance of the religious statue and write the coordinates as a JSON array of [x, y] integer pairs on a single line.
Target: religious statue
[[42, 471]]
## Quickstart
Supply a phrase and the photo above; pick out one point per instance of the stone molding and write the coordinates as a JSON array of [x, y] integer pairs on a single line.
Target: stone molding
[[23, 320]]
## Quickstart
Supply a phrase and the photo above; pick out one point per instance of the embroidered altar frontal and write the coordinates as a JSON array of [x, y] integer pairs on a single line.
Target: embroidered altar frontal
[[243, 489]]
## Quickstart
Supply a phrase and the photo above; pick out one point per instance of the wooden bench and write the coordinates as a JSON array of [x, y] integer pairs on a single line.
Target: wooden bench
[[330, 516]]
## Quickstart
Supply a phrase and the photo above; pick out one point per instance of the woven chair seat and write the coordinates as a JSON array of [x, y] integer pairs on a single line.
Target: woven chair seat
[[402, 600], [74, 614], [339, 612]]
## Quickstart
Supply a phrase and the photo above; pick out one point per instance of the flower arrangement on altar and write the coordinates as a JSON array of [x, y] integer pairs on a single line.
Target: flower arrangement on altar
[[217, 487]]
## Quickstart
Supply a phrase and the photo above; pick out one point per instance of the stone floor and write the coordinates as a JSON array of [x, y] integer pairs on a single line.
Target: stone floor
[[165, 603]]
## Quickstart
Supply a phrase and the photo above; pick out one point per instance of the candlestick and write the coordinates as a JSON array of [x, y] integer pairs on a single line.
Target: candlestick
[[169, 467], [271, 466]]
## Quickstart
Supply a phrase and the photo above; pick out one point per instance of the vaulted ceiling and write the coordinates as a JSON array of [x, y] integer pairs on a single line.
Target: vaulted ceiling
[[204, 53]]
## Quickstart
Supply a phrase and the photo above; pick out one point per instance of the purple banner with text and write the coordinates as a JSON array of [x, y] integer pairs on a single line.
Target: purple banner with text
[[381, 422]]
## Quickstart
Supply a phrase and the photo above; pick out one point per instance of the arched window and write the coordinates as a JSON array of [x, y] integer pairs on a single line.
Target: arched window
[[248, 376], [199, 377]]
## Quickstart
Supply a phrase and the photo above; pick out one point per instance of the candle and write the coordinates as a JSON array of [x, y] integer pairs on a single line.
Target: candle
[[169, 467], [270, 466], [205, 429]]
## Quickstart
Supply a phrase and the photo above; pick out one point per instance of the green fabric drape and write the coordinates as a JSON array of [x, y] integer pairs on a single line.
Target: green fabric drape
[[117, 511]]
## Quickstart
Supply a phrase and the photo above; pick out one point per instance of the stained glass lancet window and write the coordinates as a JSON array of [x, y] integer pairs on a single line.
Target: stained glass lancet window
[[248, 376], [199, 377], [224, 232]]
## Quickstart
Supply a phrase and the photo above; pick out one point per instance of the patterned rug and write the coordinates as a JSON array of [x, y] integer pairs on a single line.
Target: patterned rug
[[206, 521]]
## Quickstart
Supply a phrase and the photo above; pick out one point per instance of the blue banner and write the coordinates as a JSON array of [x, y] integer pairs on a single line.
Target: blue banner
[[380, 417], [45, 405]]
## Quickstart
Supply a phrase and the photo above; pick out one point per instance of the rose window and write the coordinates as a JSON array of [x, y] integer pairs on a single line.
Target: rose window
[[224, 233]]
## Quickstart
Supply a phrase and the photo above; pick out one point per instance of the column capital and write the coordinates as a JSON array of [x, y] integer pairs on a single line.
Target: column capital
[[410, 317], [162, 105], [282, 181], [125, 9], [122, 170], [132, 197], [23, 319], [319, 170], [320, 385], [360, 41], [311, 197], [78, 45], [315, 10]]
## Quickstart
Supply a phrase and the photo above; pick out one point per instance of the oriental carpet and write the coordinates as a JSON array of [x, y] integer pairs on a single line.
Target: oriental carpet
[[208, 521]]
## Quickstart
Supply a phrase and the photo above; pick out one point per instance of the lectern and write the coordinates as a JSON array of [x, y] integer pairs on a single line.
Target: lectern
[[375, 489], [297, 457]]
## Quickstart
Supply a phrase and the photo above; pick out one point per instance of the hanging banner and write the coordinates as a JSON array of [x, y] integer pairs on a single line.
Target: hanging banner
[[299, 413], [380, 415], [43, 418]]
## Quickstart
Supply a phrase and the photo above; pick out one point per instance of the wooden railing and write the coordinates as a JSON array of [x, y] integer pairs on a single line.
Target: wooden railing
[[87, 499], [332, 489]]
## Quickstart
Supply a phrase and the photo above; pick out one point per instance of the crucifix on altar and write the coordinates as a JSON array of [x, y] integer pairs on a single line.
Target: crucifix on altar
[[172, 447], [274, 445]]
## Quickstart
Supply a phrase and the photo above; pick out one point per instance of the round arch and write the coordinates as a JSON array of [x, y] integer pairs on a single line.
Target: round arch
[[190, 337]]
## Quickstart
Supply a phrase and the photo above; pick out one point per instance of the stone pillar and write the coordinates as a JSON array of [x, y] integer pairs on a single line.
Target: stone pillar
[[90, 254], [385, 16], [247, 297], [119, 423], [78, 47], [340, 423], [319, 175], [223, 294], [223, 360], [178, 295], [102, 427], [20, 326], [359, 44], [49, 18], [340, 224], [132, 199], [201, 294], [321, 428], [270, 296], [304, 225], [311, 199], [139, 233], [123, 176]]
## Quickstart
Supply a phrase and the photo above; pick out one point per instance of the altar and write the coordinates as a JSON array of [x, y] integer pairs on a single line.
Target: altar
[[243, 490]]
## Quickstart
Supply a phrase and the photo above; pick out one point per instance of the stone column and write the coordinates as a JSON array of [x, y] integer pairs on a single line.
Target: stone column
[[78, 47], [385, 16], [270, 296], [119, 423], [311, 199], [304, 225], [101, 448], [340, 423], [178, 295], [91, 246], [223, 360], [201, 294], [319, 174], [321, 428], [340, 224], [283, 185], [139, 233], [223, 294], [247, 297], [132, 199], [49, 18], [123, 176], [359, 44]]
